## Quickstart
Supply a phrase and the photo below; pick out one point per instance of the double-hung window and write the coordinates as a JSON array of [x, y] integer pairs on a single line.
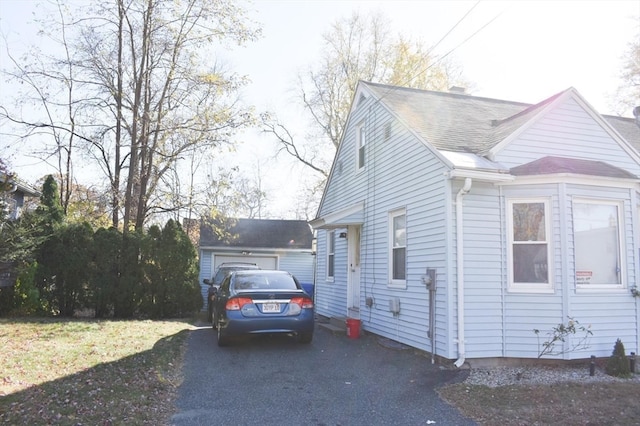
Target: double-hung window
[[331, 245], [529, 249], [361, 139], [398, 249], [597, 242]]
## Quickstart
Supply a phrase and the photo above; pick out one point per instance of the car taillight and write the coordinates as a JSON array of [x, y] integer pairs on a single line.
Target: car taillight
[[303, 302], [237, 303]]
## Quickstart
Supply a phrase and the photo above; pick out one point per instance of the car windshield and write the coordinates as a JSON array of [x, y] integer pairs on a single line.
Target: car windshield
[[226, 271], [264, 281]]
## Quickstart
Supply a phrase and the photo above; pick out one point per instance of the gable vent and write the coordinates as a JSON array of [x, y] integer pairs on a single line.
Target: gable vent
[[387, 131], [361, 99]]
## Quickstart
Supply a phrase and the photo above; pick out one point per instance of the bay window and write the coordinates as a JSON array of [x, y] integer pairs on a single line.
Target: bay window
[[597, 242]]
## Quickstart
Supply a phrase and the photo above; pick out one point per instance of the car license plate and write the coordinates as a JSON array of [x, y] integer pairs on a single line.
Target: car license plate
[[270, 308]]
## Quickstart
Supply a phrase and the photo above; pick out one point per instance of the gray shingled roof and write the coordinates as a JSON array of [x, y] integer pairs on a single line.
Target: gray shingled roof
[[259, 233], [464, 123], [551, 165], [627, 127]]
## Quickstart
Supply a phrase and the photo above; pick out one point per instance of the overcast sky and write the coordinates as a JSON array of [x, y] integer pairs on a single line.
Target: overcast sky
[[513, 50]]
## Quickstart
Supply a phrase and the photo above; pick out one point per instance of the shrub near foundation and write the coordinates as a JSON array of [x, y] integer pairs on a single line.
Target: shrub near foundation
[[618, 363]]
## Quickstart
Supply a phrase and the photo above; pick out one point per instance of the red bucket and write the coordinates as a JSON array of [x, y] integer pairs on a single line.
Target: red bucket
[[353, 328]]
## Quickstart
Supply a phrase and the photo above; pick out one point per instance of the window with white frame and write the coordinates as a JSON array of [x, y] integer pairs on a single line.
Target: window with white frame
[[331, 244], [529, 245], [597, 242], [361, 139], [398, 248]]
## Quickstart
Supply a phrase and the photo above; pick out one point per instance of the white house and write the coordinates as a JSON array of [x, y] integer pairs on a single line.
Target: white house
[[458, 224]]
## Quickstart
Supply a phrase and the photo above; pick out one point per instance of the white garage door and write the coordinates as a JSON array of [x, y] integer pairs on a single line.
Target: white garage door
[[264, 262]]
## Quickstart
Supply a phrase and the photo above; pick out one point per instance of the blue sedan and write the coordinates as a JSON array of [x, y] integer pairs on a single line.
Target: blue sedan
[[262, 301]]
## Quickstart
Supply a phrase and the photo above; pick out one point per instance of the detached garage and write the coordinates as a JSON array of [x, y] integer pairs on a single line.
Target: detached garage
[[269, 243]]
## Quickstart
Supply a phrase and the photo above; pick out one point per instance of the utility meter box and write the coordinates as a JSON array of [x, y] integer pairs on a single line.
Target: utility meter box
[[394, 305]]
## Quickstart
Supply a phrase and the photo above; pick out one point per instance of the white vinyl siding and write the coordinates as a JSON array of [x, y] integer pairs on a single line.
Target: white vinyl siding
[[399, 171]]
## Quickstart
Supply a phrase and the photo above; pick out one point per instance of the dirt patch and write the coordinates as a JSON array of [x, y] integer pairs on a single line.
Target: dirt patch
[[561, 403]]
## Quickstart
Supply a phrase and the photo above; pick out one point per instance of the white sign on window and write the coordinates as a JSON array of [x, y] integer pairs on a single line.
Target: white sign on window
[[584, 277]]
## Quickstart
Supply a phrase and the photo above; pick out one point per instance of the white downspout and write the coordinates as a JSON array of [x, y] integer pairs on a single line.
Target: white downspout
[[460, 270]]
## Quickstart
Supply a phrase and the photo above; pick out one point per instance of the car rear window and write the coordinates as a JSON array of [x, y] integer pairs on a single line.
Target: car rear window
[[264, 282], [224, 272]]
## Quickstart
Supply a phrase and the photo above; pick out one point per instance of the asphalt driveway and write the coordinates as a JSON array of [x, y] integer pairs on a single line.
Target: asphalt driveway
[[333, 381]]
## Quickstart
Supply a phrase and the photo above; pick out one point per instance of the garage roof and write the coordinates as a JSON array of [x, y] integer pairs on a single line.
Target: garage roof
[[256, 233]]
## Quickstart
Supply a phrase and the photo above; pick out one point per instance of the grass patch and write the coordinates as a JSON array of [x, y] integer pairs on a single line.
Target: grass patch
[[71, 372], [564, 403]]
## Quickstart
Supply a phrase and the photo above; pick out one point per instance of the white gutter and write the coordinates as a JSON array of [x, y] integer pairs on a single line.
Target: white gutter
[[460, 270]]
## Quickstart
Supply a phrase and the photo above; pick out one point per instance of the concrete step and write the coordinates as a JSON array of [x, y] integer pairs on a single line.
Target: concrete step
[[333, 324], [340, 322]]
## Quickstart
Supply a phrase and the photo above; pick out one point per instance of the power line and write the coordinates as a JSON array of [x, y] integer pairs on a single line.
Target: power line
[[440, 59]]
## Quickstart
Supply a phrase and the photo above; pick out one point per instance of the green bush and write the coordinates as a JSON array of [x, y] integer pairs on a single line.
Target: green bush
[[618, 363], [170, 265]]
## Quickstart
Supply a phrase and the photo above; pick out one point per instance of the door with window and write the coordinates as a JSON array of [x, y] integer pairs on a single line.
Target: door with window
[[353, 283]]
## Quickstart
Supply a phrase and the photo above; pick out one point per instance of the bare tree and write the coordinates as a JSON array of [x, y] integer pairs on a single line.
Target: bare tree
[[628, 93], [231, 194], [145, 93], [357, 48]]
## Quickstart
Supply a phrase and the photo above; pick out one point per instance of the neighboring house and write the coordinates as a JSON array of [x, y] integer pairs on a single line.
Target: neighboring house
[[13, 197], [523, 216], [271, 244]]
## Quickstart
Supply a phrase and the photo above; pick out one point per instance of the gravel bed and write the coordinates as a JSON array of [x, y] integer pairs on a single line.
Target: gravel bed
[[538, 375]]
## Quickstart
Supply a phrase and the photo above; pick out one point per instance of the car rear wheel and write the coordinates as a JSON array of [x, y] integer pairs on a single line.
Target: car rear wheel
[[222, 339], [212, 317], [305, 337]]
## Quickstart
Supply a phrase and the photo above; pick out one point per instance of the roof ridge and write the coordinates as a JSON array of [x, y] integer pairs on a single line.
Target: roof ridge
[[446, 94]]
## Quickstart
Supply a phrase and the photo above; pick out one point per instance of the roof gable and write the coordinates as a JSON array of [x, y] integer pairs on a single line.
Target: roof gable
[[257, 233], [508, 130]]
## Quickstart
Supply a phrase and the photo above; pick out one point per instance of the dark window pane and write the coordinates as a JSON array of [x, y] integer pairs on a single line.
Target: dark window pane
[[399, 266], [330, 267], [530, 263]]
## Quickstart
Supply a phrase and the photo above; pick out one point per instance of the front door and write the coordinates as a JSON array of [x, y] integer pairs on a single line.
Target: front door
[[353, 284]]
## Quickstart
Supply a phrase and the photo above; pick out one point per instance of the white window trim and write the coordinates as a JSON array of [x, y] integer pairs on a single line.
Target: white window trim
[[331, 237], [359, 130], [588, 288], [394, 283], [530, 287]]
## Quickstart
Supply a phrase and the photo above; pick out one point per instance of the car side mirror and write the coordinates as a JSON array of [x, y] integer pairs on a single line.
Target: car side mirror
[[207, 281]]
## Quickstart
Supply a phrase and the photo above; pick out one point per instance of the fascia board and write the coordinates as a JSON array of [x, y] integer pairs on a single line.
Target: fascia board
[[480, 175], [253, 250], [575, 179], [334, 217]]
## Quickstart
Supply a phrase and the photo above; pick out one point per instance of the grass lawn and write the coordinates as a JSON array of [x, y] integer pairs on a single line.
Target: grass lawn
[[90, 372]]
